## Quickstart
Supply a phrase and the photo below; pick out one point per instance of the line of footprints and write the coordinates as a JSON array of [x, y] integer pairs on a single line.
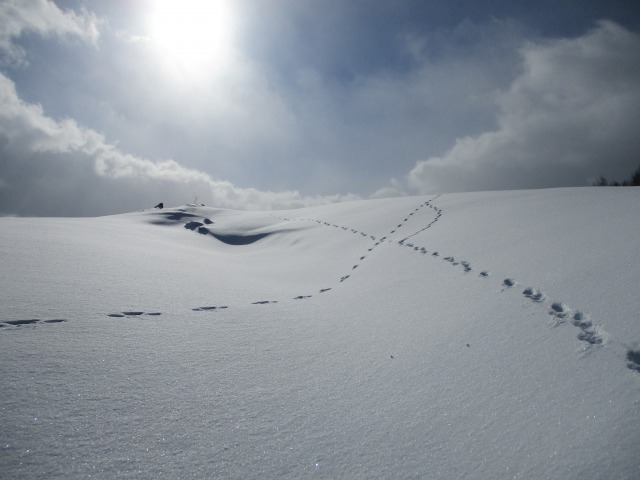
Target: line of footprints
[[589, 332]]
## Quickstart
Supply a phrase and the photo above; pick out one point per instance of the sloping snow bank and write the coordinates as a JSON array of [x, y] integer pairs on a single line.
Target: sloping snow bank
[[486, 335]]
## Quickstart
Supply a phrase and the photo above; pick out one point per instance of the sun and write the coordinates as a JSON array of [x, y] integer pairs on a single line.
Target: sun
[[192, 35]]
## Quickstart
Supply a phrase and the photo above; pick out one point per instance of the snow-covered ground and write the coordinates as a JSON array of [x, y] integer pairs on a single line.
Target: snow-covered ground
[[470, 336]]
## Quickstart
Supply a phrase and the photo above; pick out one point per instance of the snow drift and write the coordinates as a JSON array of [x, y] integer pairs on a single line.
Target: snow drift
[[479, 335]]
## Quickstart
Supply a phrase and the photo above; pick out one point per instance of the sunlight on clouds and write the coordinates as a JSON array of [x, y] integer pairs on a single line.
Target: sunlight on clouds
[[31, 144], [192, 37]]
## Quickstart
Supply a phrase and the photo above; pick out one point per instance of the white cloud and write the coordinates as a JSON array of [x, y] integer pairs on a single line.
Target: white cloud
[[42, 17], [44, 161], [59, 167], [571, 115], [396, 189], [567, 116]]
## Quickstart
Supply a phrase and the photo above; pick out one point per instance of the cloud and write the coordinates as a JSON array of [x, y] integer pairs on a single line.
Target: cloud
[[570, 116], [566, 114], [359, 132], [303, 126], [41, 17], [57, 167], [396, 189]]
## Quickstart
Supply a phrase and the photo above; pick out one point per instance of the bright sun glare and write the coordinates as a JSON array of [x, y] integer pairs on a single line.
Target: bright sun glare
[[193, 35]]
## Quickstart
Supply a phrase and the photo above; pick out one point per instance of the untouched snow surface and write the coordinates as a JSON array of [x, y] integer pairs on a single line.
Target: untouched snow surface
[[470, 336]]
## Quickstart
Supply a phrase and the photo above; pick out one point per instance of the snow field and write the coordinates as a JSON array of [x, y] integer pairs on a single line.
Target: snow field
[[327, 342]]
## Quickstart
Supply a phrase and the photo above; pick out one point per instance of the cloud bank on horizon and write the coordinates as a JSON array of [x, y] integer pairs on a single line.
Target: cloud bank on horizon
[[300, 104]]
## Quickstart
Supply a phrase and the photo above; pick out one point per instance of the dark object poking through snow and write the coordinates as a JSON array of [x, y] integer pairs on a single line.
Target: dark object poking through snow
[[160, 206]]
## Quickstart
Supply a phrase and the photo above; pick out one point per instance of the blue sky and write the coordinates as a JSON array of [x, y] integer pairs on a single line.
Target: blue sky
[[114, 106]]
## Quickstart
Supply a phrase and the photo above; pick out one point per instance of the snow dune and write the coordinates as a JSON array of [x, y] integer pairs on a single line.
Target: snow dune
[[479, 335]]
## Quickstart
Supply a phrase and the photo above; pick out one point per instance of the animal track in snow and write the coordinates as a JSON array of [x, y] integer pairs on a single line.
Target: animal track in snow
[[535, 295], [17, 323], [32, 321], [633, 360], [581, 321], [466, 265], [381, 239], [590, 333], [559, 310], [591, 337], [430, 224]]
